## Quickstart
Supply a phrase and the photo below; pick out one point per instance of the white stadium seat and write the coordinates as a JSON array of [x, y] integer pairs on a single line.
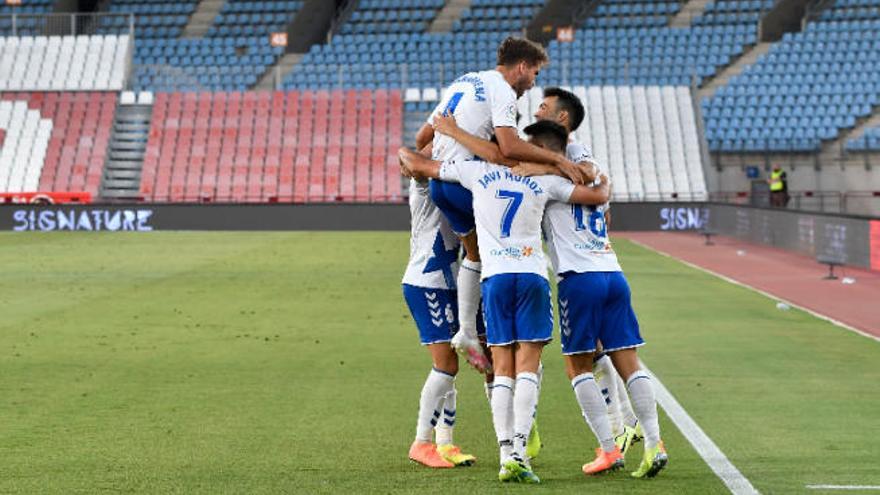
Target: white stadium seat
[[645, 138], [51, 63], [24, 147]]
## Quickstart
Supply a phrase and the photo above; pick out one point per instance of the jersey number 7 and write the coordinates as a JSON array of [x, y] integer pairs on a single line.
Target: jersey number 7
[[515, 199]]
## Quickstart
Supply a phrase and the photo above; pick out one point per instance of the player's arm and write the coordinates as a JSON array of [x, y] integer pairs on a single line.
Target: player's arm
[[514, 148], [592, 195], [417, 165], [487, 150], [529, 169], [425, 136]]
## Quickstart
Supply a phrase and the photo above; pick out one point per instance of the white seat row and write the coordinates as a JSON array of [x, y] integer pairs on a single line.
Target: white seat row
[[64, 63], [132, 98], [646, 138], [24, 146]]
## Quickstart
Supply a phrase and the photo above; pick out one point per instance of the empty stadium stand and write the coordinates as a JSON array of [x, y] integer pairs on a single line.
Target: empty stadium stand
[[155, 18], [625, 13], [647, 138], [392, 16], [805, 90], [54, 63], [500, 16], [254, 18], [870, 140], [274, 146], [216, 64], [55, 141], [26, 22]]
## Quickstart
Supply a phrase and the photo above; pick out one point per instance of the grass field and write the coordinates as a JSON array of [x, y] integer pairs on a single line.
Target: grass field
[[287, 363]]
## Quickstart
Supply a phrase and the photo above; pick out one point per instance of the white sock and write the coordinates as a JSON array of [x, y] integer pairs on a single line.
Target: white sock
[[624, 404], [606, 378], [525, 400], [540, 382], [641, 392], [487, 387], [469, 295], [436, 387], [443, 431], [502, 413], [593, 408]]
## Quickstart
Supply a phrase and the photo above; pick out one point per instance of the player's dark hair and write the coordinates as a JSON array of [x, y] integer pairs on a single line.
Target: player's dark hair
[[550, 134], [570, 103], [515, 50]]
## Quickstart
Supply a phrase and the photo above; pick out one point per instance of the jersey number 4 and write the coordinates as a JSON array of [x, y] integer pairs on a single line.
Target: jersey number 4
[[595, 221], [514, 200]]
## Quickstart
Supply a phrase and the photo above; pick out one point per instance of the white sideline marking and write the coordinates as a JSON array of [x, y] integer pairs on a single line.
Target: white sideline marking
[[759, 291], [843, 487], [717, 461]]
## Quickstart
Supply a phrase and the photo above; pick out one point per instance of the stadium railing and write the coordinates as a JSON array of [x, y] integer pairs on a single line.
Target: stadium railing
[[66, 24], [850, 202]]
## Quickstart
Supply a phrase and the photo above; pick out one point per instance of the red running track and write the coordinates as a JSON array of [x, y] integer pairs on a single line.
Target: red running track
[[786, 275]]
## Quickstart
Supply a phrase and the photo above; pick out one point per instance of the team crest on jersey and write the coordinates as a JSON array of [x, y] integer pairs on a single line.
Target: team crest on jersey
[[450, 315], [511, 111]]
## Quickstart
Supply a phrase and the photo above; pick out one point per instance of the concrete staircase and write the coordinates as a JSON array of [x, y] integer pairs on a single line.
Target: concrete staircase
[[202, 19], [284, 65], [125, 157], [746, 59], [450, 13], [835, 148], [689, 11]]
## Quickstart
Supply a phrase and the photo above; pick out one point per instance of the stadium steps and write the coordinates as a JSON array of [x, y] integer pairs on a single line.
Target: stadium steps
[[689, 11], [202, 19], [284, 66], [833, 149], [128, 143], [749, 57], [447, 16]]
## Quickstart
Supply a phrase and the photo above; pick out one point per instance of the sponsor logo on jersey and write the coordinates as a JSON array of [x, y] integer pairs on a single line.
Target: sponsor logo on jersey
[[514, 252]]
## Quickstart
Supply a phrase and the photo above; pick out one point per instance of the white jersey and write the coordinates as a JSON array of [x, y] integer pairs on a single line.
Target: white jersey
[[508, 211], [433, 247], [480, 102], [576, 153], [577, 238]]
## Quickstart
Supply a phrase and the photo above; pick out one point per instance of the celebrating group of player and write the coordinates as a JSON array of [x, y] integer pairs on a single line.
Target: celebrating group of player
[[494, 194]]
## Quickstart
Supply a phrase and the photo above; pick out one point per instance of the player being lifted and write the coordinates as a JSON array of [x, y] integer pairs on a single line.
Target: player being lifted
[[484, 104], [516, 294], [429, 291]]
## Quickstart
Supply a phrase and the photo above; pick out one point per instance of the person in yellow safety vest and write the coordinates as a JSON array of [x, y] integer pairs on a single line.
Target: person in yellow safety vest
[[778, 187]]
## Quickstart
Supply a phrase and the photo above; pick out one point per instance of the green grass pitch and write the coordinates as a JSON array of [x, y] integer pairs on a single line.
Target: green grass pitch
[[287, 363]]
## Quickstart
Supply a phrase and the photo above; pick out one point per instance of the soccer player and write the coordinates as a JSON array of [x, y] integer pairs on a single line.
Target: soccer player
[[516, 294], [566, 109], [595, 305], [484, 103], [429, 291]]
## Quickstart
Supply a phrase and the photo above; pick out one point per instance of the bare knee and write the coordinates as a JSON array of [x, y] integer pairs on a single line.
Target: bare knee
[[444, 358], [578, 364], [626, 362], [503, 363]]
